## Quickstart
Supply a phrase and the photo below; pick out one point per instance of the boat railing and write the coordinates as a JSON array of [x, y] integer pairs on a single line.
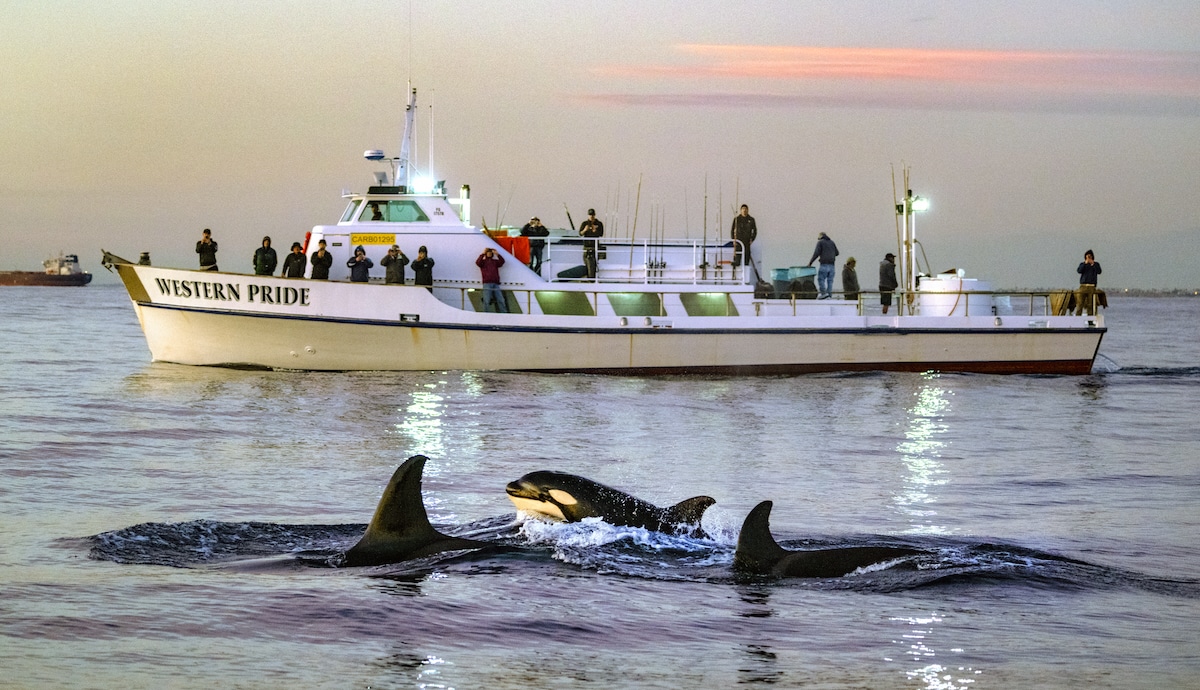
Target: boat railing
[[654, 304], [680, 261]]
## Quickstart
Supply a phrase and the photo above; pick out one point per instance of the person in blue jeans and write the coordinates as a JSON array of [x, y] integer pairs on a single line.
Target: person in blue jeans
[[489, 263], [825, 253]]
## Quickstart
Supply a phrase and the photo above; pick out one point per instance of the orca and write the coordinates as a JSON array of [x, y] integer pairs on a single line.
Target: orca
[[400, 529], [759, 554], [572, 498]]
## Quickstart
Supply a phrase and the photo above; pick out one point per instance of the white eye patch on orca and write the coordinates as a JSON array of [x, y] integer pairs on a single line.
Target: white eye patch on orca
[[562, 497]]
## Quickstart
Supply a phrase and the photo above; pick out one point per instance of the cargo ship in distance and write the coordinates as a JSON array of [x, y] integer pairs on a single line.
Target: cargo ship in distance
[[59, 271], [609, 305]]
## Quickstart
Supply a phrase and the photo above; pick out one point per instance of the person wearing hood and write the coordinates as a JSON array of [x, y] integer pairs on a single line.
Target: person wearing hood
[[265, 259], [423, 269], [360, 266], [849, 280], [825, 253]]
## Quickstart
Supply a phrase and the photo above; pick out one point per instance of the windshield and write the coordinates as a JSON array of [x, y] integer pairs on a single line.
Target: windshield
[[349, 211], [396, 211]]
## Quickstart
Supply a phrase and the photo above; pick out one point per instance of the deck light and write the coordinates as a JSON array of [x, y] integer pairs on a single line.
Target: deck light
[[423, 185]]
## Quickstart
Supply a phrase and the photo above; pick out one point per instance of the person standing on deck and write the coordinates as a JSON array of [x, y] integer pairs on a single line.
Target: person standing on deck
[[1088, 271], [423, 269], [489, 263], [360, 266], [887, 280], [265, 259], [590, 230], [826, 253], [743, 232], [849, 280], [207, 249], [394, 263], [321, 262], [535, 231], [294, 262]]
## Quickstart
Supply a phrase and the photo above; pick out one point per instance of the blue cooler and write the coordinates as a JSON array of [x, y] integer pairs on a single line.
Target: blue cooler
[[780, 280]]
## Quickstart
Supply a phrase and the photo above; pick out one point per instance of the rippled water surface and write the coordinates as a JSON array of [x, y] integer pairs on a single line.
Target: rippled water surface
[[152, 517]]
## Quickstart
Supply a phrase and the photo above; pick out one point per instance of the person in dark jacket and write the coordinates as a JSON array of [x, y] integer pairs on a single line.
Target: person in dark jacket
[[394, 262], [1088, 271], [825, 254], [489, 263], [265, 259], [887, 280], [294, 262], [423, 269], [849, 280], [744, 230], [207, 249], [591, 230], [321, 262], [360, 266], [535, 231]]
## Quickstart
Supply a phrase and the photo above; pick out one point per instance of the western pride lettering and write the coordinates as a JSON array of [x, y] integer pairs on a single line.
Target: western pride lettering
[[232, 292]]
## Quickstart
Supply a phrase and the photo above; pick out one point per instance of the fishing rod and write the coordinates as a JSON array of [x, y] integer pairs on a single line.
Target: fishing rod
[[633, 233], [704, 244], [573, 230]]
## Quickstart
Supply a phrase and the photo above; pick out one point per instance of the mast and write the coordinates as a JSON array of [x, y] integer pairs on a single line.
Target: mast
[[403, 164]]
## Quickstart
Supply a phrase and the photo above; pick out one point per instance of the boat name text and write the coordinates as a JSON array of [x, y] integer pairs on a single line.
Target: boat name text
[[232, 292]]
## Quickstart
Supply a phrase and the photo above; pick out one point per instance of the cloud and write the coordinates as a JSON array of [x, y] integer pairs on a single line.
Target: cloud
[[810, 76]]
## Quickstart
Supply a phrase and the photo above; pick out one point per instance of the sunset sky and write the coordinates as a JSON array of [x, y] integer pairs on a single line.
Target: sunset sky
[[1038, 130]]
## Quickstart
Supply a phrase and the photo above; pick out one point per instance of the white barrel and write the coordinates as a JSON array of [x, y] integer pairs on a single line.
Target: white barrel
[[948, 294]]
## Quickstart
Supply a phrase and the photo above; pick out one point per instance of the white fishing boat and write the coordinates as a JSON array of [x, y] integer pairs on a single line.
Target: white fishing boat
[[653, 307]]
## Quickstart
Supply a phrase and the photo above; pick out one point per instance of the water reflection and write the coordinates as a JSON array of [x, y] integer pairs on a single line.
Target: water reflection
[[920, 451], [760, 665], [421, 420], [918, 647]]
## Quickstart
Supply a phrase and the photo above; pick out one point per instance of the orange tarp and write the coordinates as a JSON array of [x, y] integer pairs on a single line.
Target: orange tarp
[[517, 246]]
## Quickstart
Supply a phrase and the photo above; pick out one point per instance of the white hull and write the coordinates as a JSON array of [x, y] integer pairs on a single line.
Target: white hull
[[345, 326]]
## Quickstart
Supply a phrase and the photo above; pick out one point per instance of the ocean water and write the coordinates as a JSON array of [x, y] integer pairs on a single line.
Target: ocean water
[[152, 520]]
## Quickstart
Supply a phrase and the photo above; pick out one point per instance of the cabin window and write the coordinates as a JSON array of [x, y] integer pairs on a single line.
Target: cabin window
[[349, 212], [636, 303], [708, 304], [564, 303], [396, 211]]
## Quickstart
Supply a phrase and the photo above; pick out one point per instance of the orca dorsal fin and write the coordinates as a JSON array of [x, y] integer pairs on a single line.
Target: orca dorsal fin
[[757, 551], [400, 528], [688, 511]]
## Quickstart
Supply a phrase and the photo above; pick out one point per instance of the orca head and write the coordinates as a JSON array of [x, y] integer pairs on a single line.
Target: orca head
[[555, 495]]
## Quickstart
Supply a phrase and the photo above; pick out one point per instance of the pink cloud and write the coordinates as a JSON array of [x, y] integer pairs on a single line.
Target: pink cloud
[[902, 77]]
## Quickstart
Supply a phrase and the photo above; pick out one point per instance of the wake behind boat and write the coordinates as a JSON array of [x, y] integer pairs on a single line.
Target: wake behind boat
[[652, 307]]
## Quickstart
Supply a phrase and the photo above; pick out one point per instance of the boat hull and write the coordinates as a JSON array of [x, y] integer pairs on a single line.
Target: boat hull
[[199, 337], [233, 320], [12, 278]]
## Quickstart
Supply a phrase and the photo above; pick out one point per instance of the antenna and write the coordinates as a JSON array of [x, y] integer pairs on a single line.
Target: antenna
[[429, 171]]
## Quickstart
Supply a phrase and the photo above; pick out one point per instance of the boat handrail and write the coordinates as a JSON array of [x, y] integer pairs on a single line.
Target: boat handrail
[[661, 261], [1037, 303]]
